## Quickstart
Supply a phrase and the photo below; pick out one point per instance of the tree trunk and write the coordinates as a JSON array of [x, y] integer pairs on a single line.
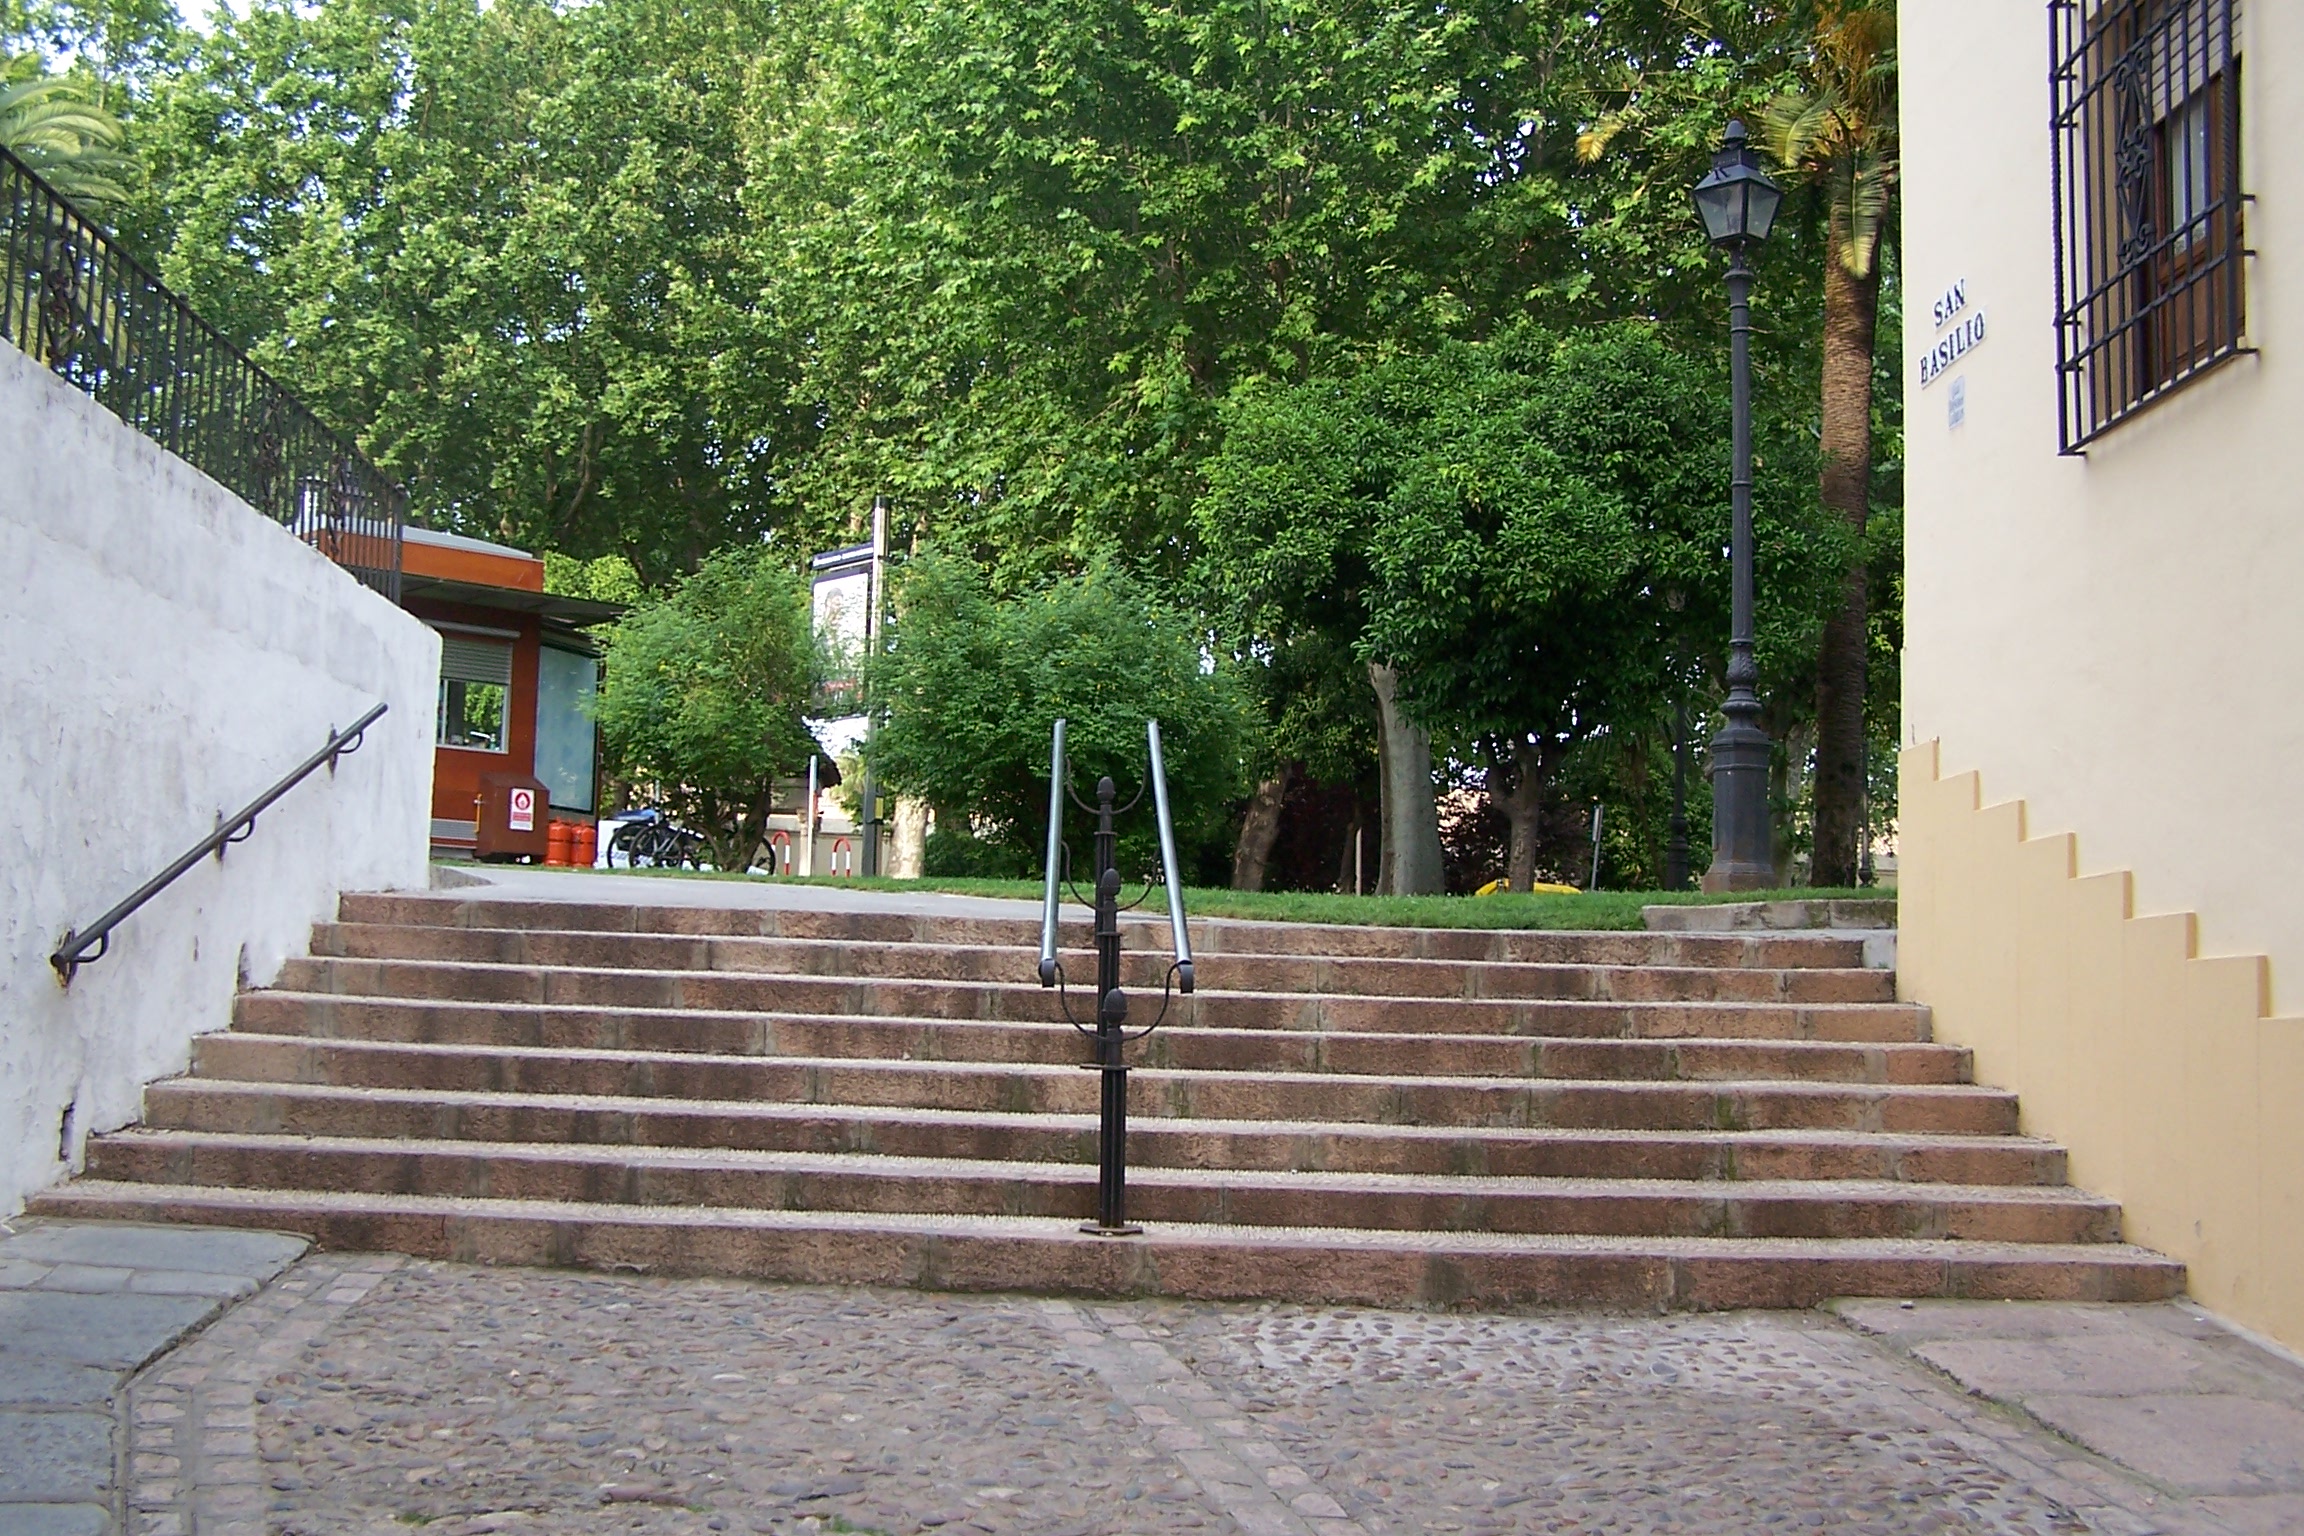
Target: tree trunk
[[1784, 773], [1350, 868], [732, 839], [908, 851], [1260, 829], [1523, 808], [1410, 863], [1851, 307]]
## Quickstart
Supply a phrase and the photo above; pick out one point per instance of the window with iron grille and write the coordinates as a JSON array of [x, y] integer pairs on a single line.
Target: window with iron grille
[[2149, 243]]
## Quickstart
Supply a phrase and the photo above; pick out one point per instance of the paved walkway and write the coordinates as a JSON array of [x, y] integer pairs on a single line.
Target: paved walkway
[[82, 1306], [372, 1394]]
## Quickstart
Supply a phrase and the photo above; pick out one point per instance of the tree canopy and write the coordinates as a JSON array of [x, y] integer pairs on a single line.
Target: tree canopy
[[1257, 307]]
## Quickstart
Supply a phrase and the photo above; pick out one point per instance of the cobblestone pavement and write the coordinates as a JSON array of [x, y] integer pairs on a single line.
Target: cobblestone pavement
[[371, 1394]]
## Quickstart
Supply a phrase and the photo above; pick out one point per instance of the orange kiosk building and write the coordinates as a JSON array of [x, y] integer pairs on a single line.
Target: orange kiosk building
[[517, 673]]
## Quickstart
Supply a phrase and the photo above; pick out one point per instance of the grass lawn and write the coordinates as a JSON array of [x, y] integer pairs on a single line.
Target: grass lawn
[[1599, 909]]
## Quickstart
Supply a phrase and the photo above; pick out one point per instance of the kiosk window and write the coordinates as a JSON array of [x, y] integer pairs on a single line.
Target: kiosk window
[[475, 680]]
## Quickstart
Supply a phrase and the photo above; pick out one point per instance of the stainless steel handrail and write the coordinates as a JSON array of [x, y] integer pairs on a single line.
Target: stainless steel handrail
[[84, 947], [1168, 872], [1055, 851]]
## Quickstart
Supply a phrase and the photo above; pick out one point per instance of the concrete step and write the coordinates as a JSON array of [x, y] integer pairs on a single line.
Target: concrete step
[[571, 986], [317, 1109], [1050, 1254], [1210, 936], [1142, 969], [865, 1182], [1388, 1116], [435, 1022], [1033, 1088]]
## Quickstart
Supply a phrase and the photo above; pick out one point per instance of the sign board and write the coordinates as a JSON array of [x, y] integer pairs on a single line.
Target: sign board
[[840, 603], [522, 812], [1965, 334]]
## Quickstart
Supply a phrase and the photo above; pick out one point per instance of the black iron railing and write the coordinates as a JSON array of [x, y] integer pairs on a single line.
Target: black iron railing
[[2150, 234], [99, 319], [83, 946]]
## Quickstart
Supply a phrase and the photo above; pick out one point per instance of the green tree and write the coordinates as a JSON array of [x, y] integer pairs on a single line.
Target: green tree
[[1526, 532], [1837, 130], [705, 692], [609, 579], [970, 686], [113, 48], [1032, 246], [496, 241], [1285, 533], [1548, 552]]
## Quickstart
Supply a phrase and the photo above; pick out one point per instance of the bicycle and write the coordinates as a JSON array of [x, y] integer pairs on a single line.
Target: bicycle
[[652, 839]]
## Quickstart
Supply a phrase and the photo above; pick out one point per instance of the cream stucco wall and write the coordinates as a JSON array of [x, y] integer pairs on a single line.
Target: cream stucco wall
[[2118, 639], [2102, 828]]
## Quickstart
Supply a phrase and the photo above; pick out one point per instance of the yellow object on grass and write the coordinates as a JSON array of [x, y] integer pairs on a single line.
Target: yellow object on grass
[[1540, 888]]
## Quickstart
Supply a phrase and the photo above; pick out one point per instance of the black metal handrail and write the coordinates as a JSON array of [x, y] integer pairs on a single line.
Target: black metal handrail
[[77, 303], [86, 946], [1110, 1033]]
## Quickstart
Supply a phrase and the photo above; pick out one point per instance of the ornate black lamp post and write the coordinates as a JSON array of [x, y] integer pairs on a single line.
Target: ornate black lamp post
[[1738, 203]]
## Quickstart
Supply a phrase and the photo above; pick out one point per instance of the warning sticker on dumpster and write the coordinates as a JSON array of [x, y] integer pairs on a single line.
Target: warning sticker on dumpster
[[523, 817]]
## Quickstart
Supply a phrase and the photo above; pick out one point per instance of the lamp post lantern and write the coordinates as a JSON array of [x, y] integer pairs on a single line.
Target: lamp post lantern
[[1738, 203]]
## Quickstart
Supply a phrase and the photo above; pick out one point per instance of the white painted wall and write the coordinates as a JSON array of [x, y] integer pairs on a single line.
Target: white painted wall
[[2116, 639], [166, 652]]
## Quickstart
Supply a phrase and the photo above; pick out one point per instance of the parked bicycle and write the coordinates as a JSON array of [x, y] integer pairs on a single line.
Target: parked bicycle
[[651, 838]]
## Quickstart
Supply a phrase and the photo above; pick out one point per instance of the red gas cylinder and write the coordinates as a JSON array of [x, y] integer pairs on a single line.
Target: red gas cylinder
[[559, 843], [586, 851]]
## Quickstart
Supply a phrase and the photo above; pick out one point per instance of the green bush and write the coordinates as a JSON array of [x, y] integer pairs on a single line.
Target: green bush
[[704, 694], [970, 684]]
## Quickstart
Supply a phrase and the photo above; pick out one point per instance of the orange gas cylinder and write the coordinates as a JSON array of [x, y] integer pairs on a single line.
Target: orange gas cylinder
[[586, 851], [559, 842]]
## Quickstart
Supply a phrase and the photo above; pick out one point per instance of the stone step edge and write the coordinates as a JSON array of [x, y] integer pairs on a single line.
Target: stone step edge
[[890, 1166], [1026, 985], [913, 1066], [1025, 959], [920, 1020], [467, 1098], [1150, 927], [1048, 1256], [1058, 1027]]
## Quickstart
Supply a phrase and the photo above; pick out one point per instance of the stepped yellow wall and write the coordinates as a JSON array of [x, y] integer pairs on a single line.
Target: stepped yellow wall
[[2158, 1067]]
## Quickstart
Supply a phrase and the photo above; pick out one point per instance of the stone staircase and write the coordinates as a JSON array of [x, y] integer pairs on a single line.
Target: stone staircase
[[1394, 1117]]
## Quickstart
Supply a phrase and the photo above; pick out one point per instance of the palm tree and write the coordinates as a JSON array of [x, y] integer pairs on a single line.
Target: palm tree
[[71, 143], [1838, 133]]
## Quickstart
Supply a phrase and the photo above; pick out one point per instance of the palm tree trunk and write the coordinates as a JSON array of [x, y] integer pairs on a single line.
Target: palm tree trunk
[[1851, 309]]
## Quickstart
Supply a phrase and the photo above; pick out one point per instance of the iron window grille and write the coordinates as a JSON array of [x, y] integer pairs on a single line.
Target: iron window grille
[[2145, 135], [73, 300]]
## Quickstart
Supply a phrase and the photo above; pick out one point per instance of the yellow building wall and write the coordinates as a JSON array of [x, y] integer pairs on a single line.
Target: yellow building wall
[[2158, 1067]]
